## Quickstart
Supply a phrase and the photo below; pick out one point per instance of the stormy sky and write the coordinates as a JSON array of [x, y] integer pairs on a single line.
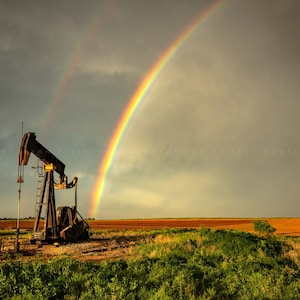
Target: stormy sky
[[215, 136]]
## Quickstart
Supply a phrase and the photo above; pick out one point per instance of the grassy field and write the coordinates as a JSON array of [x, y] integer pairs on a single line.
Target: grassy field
[[157, 259], [169, 263]]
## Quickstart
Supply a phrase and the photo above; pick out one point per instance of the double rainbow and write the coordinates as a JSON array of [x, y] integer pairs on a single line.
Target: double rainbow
[[138, 97]]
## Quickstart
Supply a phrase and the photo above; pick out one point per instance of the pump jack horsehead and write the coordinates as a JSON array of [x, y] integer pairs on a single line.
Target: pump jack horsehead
[[51, 224]]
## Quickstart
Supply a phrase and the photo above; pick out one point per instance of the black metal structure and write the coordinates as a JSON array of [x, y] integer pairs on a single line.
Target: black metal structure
[[52, 224]]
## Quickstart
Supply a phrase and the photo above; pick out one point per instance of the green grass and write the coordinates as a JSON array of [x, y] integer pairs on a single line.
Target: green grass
[[172, 264], [11, 232]]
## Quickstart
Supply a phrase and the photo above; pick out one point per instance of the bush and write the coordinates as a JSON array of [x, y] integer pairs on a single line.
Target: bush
[[263, 228]]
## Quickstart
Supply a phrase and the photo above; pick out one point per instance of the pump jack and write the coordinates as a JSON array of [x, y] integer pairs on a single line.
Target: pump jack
[[64, 223]]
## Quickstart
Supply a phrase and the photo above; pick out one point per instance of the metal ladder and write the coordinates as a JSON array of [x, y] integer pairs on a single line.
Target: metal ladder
[[39, 180]]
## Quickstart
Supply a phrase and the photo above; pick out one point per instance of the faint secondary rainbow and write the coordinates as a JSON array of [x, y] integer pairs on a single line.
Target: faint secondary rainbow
[[137, 98], [99, 18]]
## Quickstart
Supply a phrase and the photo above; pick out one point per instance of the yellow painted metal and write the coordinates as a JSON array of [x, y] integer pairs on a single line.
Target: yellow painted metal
[[49, 167]]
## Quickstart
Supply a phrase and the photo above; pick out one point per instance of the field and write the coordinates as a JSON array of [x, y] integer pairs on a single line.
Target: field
[[115, 239], [157, 259], [284, 226]]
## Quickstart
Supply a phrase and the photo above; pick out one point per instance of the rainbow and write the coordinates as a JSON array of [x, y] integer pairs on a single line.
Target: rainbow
[[99, 17], [137, 98]]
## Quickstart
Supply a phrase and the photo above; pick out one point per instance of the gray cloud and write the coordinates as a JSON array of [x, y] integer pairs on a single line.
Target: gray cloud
[[226, 108], [216, 135]]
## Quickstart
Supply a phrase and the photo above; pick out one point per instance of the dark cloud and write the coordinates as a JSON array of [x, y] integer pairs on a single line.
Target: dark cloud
[[216, 135]]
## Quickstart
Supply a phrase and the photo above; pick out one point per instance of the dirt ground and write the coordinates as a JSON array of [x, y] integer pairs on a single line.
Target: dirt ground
[[115, 239], [286, 226], [95, 249]]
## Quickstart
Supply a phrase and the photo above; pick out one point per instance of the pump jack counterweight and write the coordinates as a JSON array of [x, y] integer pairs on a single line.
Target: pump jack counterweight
[[51, 224]]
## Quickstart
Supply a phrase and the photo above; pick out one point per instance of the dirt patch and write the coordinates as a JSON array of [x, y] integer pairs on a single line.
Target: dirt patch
[[93, 250], [148, 224]]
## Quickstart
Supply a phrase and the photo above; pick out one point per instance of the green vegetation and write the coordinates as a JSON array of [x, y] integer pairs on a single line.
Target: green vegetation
[[12, 232], [173, 264], [263, 228]]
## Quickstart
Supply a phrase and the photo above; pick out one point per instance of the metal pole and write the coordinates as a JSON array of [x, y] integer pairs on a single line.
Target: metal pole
[[17, 243], [75, 199], [20, 181]]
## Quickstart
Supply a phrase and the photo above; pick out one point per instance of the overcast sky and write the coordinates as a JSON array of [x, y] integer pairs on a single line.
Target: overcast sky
[[217, 135]]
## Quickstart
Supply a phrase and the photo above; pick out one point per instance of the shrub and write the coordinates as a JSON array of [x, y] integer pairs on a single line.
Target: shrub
[[263, 228]]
